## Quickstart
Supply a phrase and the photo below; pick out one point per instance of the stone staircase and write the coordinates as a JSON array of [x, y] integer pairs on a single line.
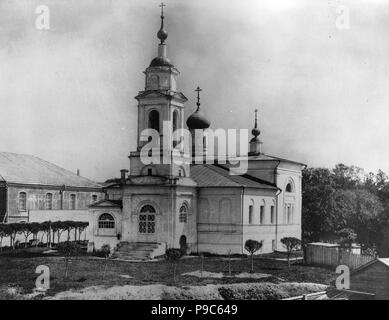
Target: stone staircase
[[139, 251]]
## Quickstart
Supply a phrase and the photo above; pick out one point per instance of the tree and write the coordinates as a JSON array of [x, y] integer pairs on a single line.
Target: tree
[[252, 246], [4, 232], [68, 249], [347, 237], [35, 229], [317, 196], [14, 229], [46, 228], [26, 230], [173, 256], [290, 244], [106, 250]]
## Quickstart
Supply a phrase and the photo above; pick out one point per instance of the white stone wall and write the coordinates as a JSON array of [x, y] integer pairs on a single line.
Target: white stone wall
[[91, 233], [220, 220], [167, 202]]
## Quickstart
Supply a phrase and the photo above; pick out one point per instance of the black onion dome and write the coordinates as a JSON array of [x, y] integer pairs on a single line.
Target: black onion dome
[[255, 132], [161, 62], [197, 121], [162, 34]]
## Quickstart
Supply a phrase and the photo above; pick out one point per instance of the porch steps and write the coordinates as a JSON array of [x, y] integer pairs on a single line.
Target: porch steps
[[139, 251]]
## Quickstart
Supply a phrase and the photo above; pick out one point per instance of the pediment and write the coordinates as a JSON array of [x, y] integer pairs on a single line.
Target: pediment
[[107, 204]]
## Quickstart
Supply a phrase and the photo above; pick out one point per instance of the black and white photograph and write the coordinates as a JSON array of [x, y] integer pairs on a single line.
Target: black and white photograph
[[210, 150]]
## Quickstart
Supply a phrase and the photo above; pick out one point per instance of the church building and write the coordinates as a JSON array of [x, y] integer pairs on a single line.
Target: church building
[[198, 206]]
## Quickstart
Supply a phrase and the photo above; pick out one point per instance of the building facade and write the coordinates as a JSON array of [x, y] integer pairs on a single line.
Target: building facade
[[200, 206], [28, 183]]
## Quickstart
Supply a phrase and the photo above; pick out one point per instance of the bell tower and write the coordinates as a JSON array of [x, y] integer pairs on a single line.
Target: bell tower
[[160, 107]]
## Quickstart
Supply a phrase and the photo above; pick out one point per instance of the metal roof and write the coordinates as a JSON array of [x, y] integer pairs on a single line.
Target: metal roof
[[207, 175], [28, 169]]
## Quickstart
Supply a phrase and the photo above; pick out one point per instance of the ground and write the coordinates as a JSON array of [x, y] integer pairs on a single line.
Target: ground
[[88, 271]]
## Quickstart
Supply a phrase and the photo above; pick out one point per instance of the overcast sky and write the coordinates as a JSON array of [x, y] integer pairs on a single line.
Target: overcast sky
[[67, 94]]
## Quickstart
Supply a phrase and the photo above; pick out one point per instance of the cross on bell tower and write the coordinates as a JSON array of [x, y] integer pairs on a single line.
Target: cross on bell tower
[[198, 90], [255, 142]]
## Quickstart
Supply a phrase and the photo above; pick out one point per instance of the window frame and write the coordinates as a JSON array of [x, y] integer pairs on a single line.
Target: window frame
[[22, 208], [183, 214], [106, 224], [49, 201], [73, 204]]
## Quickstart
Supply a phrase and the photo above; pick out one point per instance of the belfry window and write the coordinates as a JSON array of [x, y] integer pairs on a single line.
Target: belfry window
[[289, 187], [175, 120], [154, 120], [183, 217]]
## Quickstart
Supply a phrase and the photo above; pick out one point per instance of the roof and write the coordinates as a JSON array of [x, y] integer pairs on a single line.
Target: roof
[[324, 244], [209, 175], [28, 169], [384, 261], [266, 157], [107, 204]]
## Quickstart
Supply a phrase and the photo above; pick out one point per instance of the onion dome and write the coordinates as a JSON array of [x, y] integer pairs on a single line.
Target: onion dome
[[198, 120], [161, 62]]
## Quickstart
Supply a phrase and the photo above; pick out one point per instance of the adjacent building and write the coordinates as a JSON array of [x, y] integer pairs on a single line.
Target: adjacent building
[[28, 183]]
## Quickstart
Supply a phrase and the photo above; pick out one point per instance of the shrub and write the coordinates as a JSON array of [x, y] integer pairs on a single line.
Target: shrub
[[173, 256], [290, 243], [253, 246]]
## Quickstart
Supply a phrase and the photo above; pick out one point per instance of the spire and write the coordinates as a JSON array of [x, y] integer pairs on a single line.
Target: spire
[[255, 132], [161, 60], [255, 142], [162, 33], [198, 90]]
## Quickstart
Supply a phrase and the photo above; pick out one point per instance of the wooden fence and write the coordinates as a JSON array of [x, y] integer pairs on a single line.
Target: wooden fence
[[335, 256]]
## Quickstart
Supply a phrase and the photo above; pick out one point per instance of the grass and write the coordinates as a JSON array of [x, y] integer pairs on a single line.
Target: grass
[[85, 271]]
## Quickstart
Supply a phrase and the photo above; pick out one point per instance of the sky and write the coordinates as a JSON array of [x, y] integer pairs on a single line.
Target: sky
[[322, 90]]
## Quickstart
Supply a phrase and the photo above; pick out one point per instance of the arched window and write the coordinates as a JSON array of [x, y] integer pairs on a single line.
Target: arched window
[[273, 213], [262, 213], [49, 201], [183, 217], [22, 201], [289, 187], [106, 221], [251, 212], [72, 204], [154, 120], [175, 120], [147, 219]]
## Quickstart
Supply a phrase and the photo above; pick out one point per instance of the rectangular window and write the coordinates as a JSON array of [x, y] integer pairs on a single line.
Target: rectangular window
[[22, 201], [273, 245], [72, 202], [262, 215], [49, 201], [289, 215], [251, 208], [272, 215], [146, 223]]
